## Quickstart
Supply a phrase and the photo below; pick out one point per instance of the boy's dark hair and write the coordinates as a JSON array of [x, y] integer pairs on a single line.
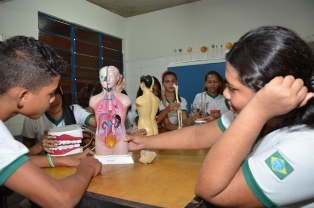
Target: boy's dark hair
[[90, 89], [266, 52], [26, 62]]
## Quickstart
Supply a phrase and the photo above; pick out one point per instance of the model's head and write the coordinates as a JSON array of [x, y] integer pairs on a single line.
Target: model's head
[[147, 81], [89, 90], [213, 81], [29, 63], [270, 51], [108, 75]]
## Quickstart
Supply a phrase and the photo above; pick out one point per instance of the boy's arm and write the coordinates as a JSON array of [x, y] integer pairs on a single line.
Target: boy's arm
[[48, 192]]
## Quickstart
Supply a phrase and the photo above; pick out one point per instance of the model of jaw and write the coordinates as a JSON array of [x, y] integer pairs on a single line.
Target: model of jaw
[[70, 138]]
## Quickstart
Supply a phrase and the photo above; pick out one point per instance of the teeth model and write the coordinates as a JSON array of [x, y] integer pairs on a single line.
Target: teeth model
[[70, 138]]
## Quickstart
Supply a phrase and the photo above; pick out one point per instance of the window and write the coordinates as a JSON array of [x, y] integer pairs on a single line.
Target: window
[[84, 50]]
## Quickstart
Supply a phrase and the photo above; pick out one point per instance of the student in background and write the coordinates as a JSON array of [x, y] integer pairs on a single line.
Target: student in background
[[35, 131], [211, 100], [89, 90], [169, 78], [30, 73], [262, 158]]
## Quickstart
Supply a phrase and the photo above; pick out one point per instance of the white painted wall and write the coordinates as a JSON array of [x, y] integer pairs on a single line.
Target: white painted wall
[[20, 17], [150, 39]]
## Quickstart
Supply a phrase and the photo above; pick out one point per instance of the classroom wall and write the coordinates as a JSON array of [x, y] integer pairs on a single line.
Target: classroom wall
[[152, 38], [20, 17], [149, 40]]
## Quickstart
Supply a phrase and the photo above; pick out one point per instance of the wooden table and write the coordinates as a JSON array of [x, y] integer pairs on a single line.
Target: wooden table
[[167, 182]]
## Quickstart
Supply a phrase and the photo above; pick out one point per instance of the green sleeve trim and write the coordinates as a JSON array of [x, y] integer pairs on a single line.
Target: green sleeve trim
[[258, 192], [6, 172], [26, 139], [87, 119], [221, 125]]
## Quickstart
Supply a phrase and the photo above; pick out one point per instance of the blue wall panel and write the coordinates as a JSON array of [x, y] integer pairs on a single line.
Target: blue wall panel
[[191, 78]]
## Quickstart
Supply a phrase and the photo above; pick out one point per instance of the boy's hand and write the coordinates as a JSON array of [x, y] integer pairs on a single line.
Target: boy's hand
[[89, 161]]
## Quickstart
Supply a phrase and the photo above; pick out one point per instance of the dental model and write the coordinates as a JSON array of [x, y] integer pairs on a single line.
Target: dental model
[[70, 138]]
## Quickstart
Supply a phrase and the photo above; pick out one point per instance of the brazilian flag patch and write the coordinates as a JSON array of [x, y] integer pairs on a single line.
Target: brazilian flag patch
[[278, 165]]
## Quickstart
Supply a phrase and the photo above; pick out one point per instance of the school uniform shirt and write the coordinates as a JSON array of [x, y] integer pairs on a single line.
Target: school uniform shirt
[[279, 169], [34, 129], [221, 105], [172, 115], [12, 154], [207, 97]]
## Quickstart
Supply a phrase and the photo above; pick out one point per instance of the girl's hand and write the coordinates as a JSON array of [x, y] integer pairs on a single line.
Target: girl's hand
[[48, 142], [120, 84], [208, 119], [136, 142], [173, 106], [281, 95]]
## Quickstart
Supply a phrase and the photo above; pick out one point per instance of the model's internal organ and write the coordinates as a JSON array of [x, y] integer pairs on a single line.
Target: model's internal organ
[[110, 130]]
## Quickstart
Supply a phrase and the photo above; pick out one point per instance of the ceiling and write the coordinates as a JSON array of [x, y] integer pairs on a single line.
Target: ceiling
[[129, 8]]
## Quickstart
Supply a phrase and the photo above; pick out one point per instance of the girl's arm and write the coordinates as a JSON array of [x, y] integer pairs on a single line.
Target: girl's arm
[[221, 177], [193, 137]]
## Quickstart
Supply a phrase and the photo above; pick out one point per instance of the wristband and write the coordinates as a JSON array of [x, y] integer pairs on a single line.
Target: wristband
[[50, 161]]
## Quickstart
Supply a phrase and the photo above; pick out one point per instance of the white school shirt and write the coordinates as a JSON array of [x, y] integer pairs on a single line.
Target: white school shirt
[[34, 129], [207, 97], [279, 170], [172, 115], [12, 154], [221, 105]]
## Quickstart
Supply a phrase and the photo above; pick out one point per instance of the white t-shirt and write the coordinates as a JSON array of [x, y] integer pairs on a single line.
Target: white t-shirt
[[208, 98], [172, 115], [12, 154], [221, 105], [279, 170], [35, 128]]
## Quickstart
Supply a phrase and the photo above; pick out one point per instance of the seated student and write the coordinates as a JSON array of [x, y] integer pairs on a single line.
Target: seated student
[[35, 132], [89, 90], [169, 78], [30, 73], [211, 99], [262, 159]]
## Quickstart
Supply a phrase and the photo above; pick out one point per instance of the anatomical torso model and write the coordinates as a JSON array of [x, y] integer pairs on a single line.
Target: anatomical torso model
[[110, 110]]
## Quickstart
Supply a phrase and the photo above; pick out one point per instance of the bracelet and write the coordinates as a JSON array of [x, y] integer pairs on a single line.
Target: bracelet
[[50, 161]]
